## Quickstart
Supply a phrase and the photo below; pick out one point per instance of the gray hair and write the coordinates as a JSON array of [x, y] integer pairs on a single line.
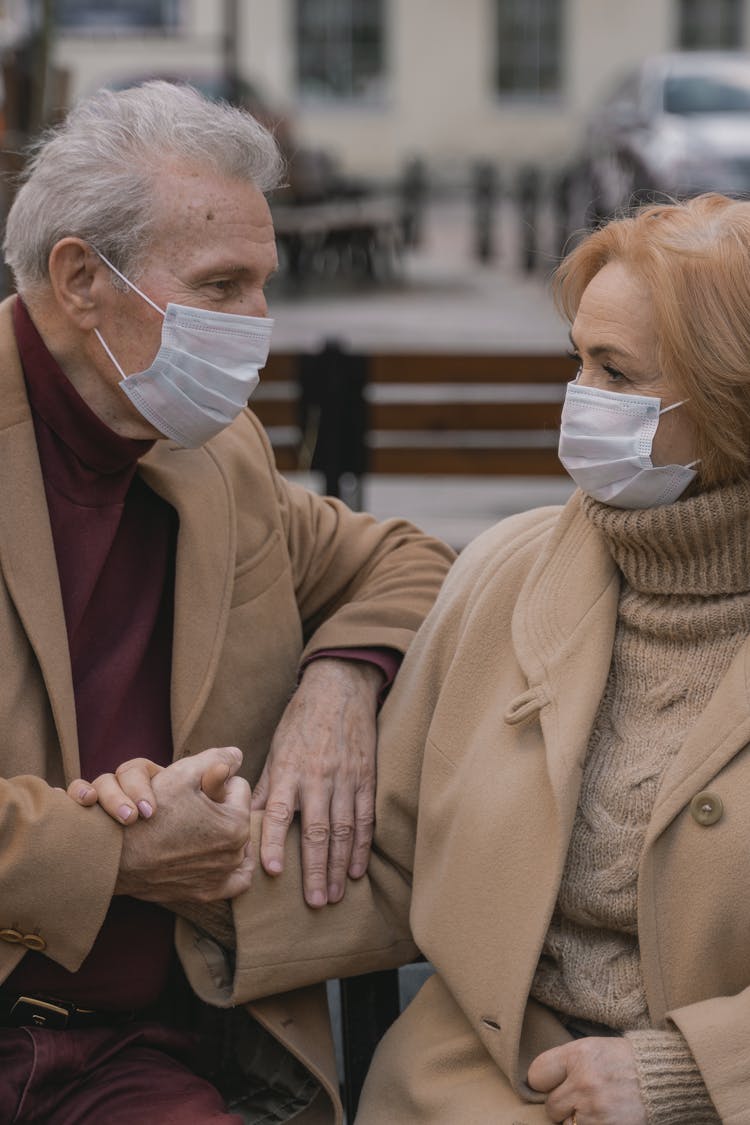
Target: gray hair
[[93, 176]]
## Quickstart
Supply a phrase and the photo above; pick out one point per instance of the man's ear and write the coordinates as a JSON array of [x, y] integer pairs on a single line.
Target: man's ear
[[73, 269]]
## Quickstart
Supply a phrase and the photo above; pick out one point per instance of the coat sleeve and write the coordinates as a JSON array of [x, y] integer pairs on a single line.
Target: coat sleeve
[[359, 582], [282, 943], [718, 1033], [58, 866]]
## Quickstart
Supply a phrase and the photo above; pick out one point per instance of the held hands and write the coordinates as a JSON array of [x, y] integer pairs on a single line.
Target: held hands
[[595, 1077], [321, 762], [197, 848]]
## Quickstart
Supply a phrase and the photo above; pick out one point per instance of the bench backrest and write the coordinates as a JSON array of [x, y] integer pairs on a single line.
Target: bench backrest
[[420, 413]]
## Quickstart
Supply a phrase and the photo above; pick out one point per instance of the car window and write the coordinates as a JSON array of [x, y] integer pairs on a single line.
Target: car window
[[702, 93]]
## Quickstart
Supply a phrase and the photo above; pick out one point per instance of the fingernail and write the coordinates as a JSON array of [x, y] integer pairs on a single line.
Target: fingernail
[[144, 808], [124, 812], [334, 892], [274, 867], [357, 870], [83, 793], [317, 898]]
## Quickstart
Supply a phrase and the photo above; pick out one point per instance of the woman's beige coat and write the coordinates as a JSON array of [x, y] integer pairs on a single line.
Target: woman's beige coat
[[487, 727], [265, 573]]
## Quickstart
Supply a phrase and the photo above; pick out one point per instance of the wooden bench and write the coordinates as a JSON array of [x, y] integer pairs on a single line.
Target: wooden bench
[[414, 414]]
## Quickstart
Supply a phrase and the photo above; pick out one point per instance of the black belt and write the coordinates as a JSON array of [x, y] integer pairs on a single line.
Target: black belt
[[49, 1012]]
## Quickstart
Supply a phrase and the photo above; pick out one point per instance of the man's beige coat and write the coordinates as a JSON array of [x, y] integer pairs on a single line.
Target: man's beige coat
[[487, 729], [265, 573]]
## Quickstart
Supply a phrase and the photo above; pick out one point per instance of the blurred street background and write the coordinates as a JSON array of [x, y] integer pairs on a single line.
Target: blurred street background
[[442, 154], [441, 157]]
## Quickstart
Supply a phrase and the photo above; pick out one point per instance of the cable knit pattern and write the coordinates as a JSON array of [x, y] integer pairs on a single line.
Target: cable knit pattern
[[684, 611]]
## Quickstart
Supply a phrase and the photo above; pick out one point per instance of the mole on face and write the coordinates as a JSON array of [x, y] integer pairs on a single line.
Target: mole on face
[[209, 215]]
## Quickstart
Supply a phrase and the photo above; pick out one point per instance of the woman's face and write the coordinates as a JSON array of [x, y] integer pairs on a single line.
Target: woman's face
[[614, 338]]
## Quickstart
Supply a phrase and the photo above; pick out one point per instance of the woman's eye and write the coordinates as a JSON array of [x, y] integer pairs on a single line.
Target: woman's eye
[[614, 375], [577, 360]]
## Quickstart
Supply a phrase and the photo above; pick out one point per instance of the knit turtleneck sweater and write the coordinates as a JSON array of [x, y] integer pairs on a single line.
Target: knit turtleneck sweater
[[683, 612]]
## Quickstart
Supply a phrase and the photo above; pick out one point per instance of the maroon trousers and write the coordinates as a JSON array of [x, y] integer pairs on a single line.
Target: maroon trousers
[[136, 1072]]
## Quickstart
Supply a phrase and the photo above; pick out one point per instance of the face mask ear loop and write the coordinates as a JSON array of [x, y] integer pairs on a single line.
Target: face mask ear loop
[[130, 284], [100, 338], [674, 406]]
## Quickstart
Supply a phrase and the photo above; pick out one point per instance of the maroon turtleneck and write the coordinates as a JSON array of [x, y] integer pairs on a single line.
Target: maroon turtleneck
[[115, 543]]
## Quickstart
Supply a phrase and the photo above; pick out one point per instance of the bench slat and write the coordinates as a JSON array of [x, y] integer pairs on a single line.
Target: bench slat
[[276, 412], [464, 416], [462, 462], [424, 368]]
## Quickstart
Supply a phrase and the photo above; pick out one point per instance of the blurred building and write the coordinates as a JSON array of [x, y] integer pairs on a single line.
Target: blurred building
[[378, 82]]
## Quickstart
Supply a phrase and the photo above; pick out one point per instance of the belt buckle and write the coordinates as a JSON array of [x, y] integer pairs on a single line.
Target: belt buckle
[[30, 1010]]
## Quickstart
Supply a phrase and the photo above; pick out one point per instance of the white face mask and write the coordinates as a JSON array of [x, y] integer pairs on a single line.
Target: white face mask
[[204, 371], [605, 445]]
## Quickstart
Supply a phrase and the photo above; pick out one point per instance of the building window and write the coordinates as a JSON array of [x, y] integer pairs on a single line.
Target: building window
[[710, 23], [529, 47], [116, 15], [340, 49]]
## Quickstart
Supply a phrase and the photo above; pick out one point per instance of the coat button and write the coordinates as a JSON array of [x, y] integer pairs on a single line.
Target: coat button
[[35, 942], [706, 808], [13, 937]]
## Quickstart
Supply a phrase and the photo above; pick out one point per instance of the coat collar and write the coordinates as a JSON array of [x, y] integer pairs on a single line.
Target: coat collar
[[27, 553], [191, 480], [563, 633]]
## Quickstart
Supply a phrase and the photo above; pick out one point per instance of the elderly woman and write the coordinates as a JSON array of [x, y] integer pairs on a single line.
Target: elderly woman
[[573, 721]]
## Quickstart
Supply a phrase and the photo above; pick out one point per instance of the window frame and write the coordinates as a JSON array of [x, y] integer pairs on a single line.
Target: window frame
[[173, 20], [526, 94], [327, 95], [709, 13]]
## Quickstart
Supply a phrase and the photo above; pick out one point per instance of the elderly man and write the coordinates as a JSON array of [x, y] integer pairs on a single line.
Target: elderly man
[[162, 591]]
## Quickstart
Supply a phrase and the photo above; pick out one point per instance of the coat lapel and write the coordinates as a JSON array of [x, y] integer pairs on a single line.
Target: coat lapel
[[720, 732], [27, 552], [563, 632], [193, 482]]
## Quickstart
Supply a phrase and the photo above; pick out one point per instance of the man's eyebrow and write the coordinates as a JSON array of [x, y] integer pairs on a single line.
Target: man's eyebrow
[[236, 270]]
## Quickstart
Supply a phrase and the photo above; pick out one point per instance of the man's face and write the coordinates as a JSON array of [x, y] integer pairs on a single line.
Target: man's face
[[213, 249]]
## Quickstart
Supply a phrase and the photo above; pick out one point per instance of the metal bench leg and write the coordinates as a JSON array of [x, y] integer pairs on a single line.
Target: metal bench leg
[[369, 1005]]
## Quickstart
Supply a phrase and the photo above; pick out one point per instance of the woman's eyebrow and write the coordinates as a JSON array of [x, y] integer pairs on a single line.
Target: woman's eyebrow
[[601, 349]]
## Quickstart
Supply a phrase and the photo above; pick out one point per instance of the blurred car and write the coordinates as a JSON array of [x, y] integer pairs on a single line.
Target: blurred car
[[676, 126]]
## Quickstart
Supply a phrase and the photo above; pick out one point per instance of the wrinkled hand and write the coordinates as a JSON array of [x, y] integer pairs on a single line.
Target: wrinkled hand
[[128, 793], [322, 762], [595, 1076], [197, 849]]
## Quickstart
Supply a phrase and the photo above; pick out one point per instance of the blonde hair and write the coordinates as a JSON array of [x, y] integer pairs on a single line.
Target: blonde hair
[[694, 259]]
